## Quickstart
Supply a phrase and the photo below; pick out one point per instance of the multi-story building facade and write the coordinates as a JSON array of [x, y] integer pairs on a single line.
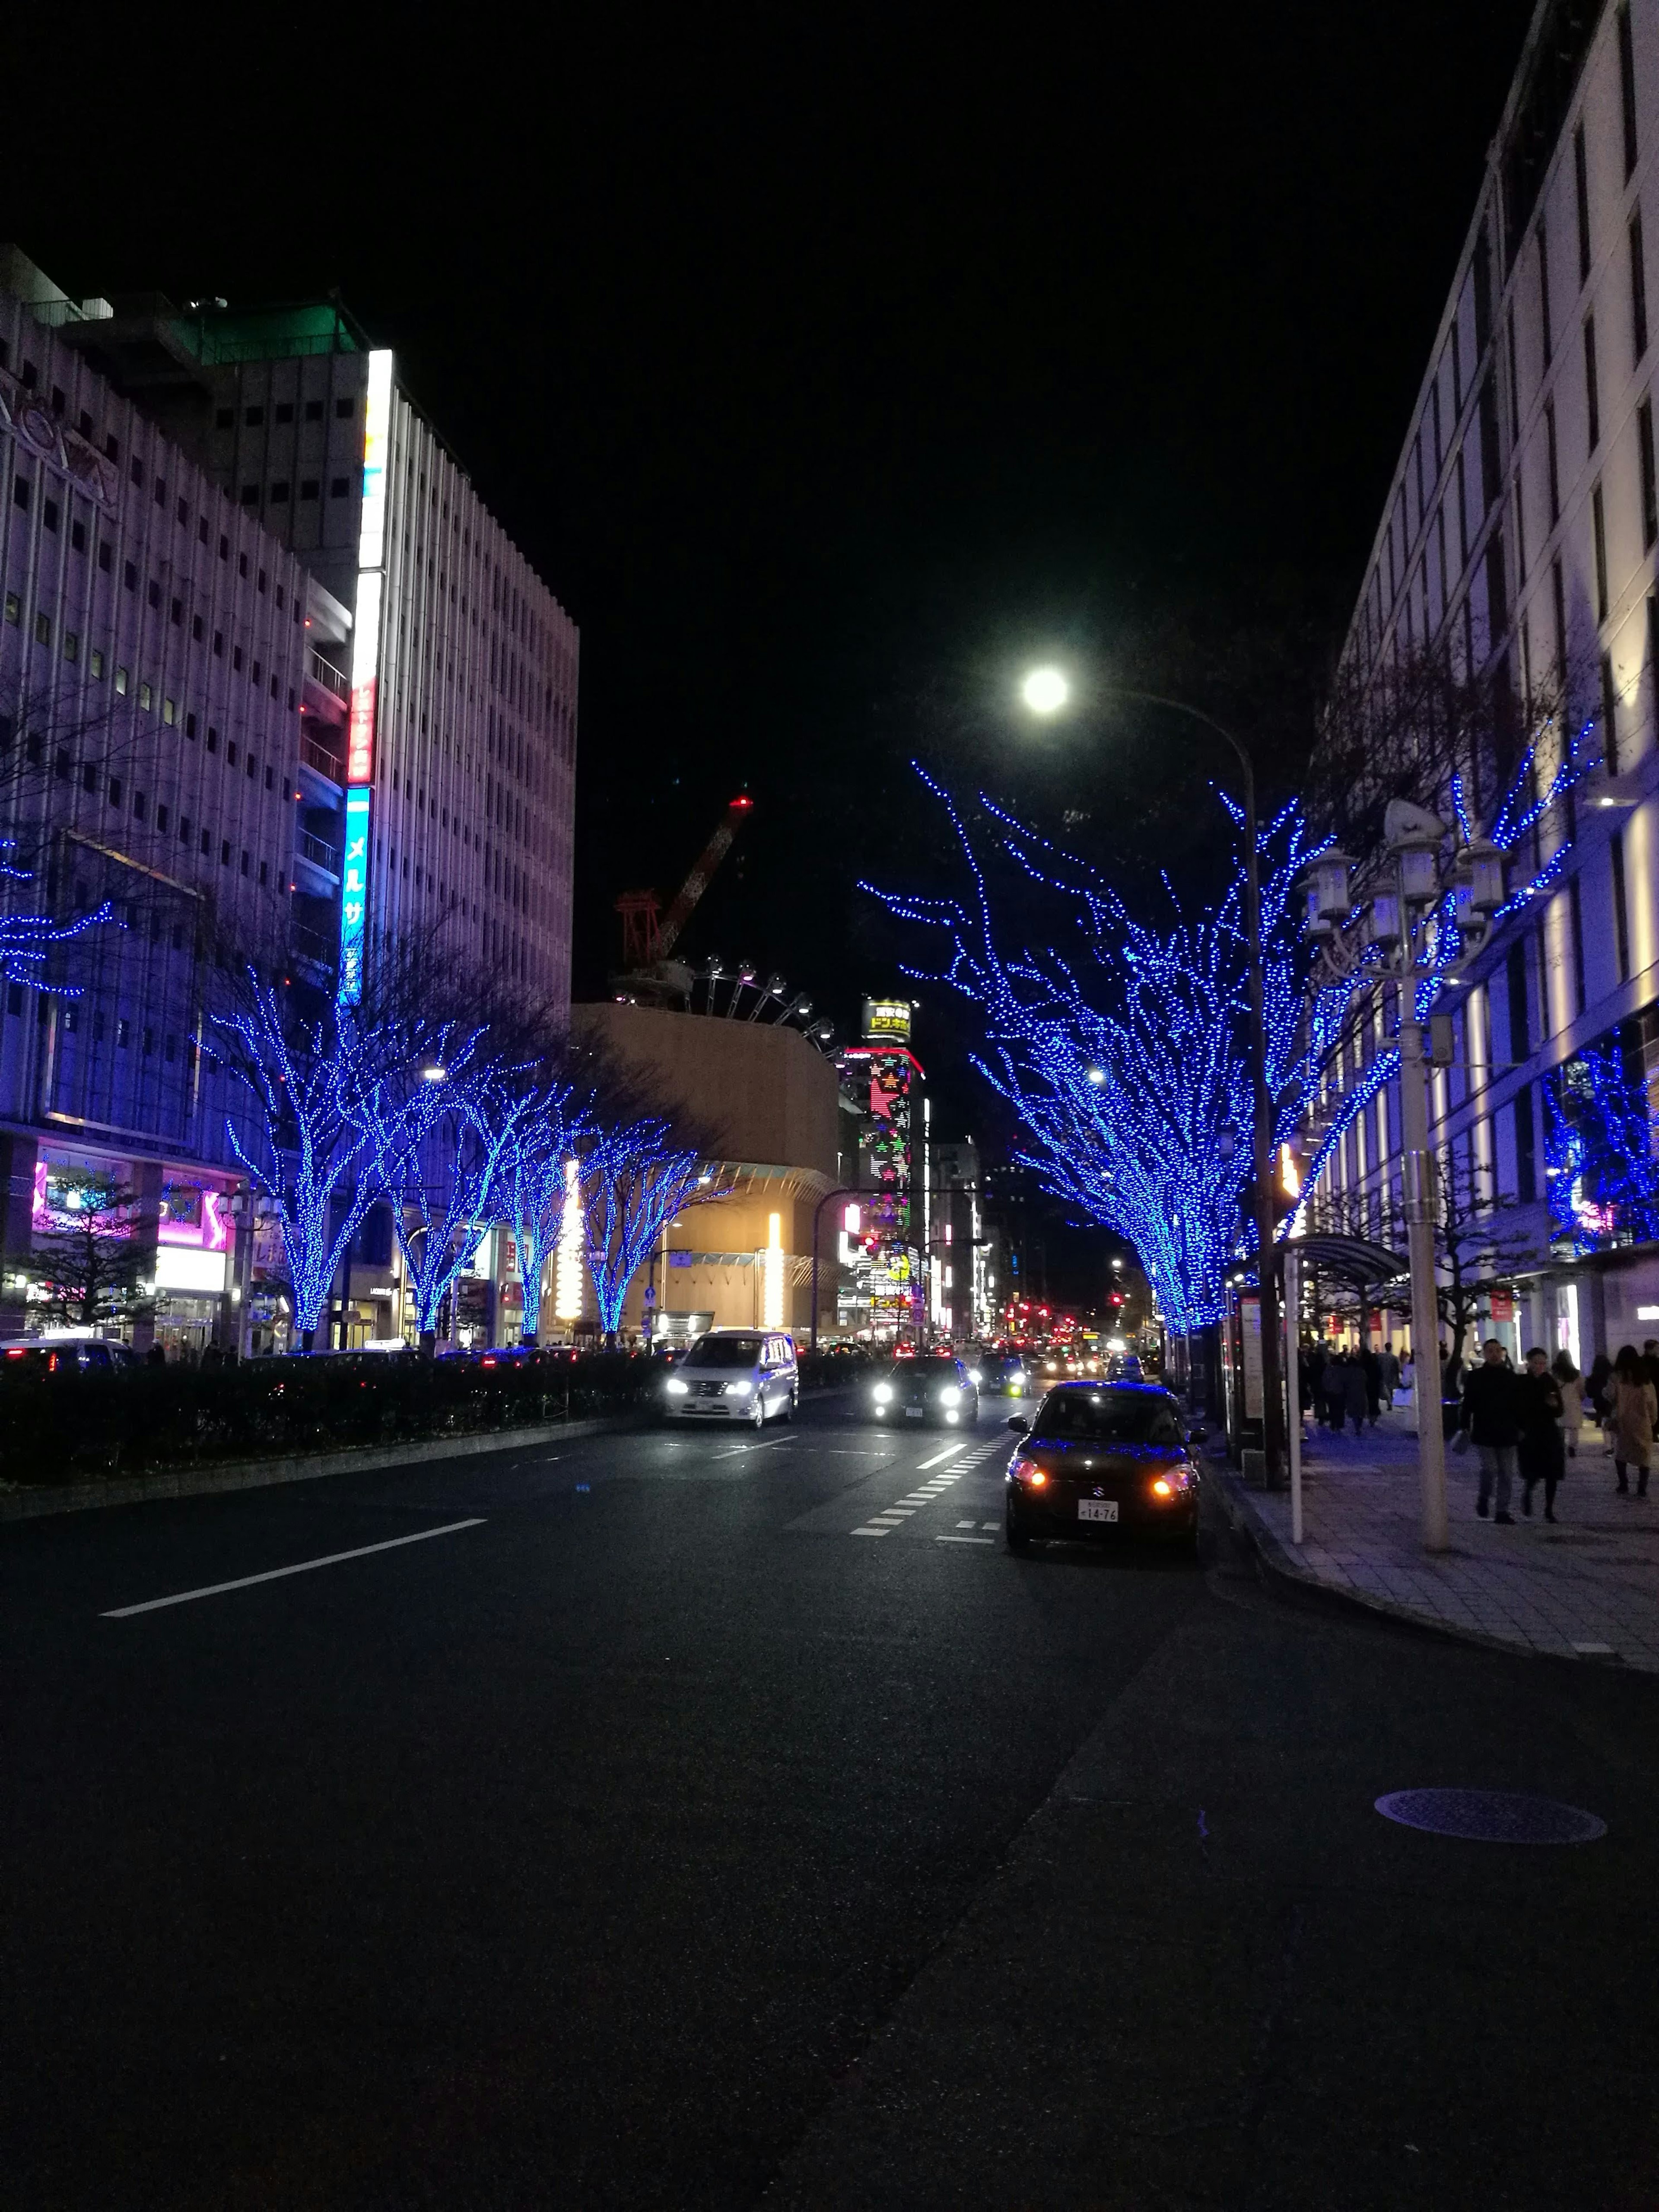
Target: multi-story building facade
[[961, 1279], [1520, 542], [275, 683], [455, 712]]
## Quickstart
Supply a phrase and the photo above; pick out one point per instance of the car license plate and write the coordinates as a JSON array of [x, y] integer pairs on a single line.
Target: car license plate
[[1096, 1508], [914, 1412]]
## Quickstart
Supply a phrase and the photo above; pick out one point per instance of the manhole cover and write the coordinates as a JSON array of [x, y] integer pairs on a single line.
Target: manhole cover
[[1491, 1816]]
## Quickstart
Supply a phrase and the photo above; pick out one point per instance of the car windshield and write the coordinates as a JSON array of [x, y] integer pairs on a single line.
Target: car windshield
[[724, 1351], [1110, 1417], [924, 1371]]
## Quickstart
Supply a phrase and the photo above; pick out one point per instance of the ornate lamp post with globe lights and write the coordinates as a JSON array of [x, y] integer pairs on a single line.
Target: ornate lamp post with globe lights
[[1046, 691], [1420, 922]]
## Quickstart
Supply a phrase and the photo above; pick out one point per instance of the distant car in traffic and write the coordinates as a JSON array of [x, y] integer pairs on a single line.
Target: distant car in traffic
[[1103, 1459], [934, 1386], [1003, 1375], [69, 1354]]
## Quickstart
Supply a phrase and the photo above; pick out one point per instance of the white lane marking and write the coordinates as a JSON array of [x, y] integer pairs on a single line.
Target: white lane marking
[[939, 1458], [990, 1524], [771, 1444], [964, 1540], [303, 1567], [891, 1515], [872, 1532], [965, 1524]]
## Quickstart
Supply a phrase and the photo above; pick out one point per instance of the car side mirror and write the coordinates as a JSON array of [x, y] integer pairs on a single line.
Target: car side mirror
[[1020, 1428]]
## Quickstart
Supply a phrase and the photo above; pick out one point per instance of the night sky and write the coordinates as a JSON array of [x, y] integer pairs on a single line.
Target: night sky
[[829, 366]]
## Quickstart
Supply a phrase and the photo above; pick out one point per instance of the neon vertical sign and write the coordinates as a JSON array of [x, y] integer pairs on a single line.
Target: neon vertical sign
[[354, 894], [365, 672]]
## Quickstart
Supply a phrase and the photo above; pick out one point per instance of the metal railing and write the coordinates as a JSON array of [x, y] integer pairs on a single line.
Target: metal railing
[[325, 762], [311, 945], [326, 673], [320, 852]]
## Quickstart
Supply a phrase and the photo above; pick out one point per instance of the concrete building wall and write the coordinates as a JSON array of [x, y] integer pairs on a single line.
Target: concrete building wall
[[764, 1102]]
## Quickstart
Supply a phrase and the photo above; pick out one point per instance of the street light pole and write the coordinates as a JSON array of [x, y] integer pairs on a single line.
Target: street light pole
[[1417, 1199]]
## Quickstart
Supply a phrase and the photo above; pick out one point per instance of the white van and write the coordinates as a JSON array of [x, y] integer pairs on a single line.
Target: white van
[[735, 1375]]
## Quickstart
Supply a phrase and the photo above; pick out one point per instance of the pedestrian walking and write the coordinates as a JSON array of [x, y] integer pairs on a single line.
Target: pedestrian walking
[[1387, 1367], [1372, 1368], [1491, 1409], [1571, 1384], [1598, 1396], [1540, 1452], [1451, 1391], [1635, 1405], [1336, 1392], [1356, 1391]]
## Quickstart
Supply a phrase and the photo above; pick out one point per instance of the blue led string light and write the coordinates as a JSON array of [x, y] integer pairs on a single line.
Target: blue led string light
[[634, 1178], [1125, 1102]]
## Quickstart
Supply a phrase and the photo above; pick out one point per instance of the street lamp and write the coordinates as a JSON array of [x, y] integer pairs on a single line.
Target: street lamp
[[1392, 932], [1045, 691]]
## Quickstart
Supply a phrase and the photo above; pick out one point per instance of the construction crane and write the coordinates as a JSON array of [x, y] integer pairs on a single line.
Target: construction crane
[[648, 938]]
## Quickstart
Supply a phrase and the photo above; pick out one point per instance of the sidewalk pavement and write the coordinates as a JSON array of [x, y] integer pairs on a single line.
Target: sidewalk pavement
[[1587, 1587]]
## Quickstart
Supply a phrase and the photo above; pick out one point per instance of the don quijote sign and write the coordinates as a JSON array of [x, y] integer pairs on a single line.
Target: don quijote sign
[[39, 431]]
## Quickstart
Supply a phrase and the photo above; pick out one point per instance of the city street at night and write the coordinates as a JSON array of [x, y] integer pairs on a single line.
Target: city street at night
[[621, 1822]]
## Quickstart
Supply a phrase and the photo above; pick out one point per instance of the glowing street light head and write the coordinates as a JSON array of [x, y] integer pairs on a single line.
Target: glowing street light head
[[1045, 691]]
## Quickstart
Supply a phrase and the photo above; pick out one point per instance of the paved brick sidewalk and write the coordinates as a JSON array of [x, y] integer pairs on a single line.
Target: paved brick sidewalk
[[1587, 1587]]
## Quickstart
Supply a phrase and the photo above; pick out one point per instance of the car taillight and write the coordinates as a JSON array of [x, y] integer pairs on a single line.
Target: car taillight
[[1027, 1471]]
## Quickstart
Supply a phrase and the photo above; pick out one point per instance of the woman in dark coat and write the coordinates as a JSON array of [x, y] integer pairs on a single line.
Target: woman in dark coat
[[1356, 1396], [1540, 1449]]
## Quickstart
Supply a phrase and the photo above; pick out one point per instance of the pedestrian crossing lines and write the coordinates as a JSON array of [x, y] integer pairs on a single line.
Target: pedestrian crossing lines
[[943, 1469]]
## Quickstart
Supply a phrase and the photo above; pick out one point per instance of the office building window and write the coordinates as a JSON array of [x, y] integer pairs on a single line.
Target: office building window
[[279, 492], [1592, 393], [308, 487], [1638, 291], [285, 412], [1649, 480], [1576, 932], [253, 418], [49, 512], [1519, 1027], [43, 630], [1620, 909], [1609, 714], [71, 645], [1581, 201], [1598, 530], [250, 495], [1526, 1155], [120, 683], [338, 487], [314, 410], [344, 410], [95, 664], [1627, 90], [1542, 235], [115, 790]]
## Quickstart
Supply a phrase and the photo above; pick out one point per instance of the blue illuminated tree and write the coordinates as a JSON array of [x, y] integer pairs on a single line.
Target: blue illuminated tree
[[331, 1099], [1125, 1058], [531, 1183], [1600, 1130], [635, 1177], [27, 940]]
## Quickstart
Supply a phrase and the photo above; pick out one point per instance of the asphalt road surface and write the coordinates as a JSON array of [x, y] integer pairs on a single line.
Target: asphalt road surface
[[617, 1823]]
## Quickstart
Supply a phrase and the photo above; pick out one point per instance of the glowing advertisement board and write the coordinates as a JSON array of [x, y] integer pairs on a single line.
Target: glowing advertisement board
[[365, 671], [354, 894]]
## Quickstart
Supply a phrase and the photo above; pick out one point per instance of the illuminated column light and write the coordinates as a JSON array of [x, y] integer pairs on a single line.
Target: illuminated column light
[[567, 1284], [772, 1307]]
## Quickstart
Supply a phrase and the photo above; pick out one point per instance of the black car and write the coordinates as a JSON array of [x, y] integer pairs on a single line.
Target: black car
[[1004, 1375], [1103, 1459], [934, 1386]]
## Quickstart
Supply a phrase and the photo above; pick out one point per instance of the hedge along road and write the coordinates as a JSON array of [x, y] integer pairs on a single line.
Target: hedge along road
[[607, 1844]]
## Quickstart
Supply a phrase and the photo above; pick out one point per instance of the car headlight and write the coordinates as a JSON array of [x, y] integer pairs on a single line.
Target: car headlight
[[976, 1373], [739, 1389], [675, 1387], [883, 1394], [949, 1395]]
